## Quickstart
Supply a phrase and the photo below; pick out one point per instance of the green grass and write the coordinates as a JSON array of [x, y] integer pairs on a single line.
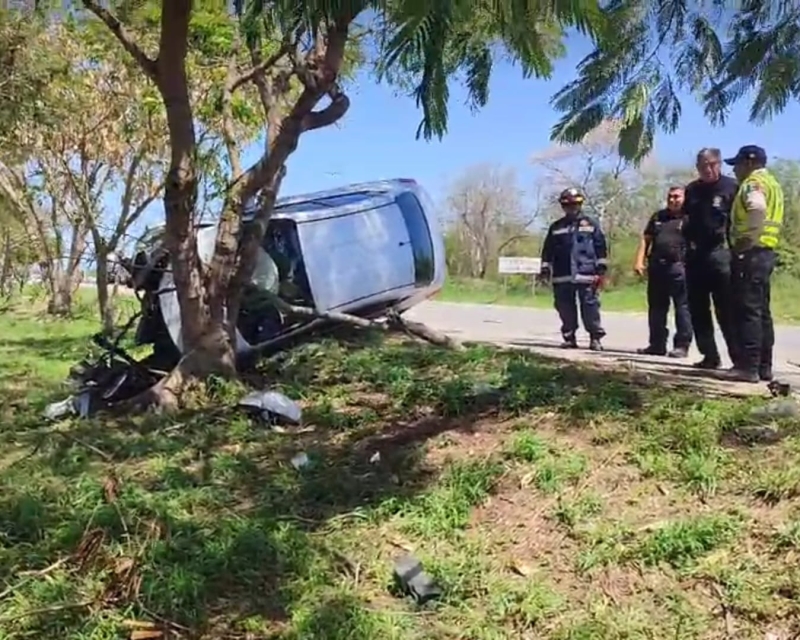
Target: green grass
[[570, 503], [629, 298]]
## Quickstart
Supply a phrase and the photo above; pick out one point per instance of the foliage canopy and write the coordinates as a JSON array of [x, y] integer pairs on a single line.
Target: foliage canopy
[[651, 50]]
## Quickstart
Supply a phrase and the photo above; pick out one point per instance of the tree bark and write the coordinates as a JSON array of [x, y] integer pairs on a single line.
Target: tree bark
[[206, 341], [105, 301], [6, 272], [60, 295]]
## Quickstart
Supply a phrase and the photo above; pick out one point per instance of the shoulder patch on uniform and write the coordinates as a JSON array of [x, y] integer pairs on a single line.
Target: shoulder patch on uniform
[[752, 187]]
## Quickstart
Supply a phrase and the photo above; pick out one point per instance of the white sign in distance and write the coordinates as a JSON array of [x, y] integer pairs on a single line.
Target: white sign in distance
[[508, 265]]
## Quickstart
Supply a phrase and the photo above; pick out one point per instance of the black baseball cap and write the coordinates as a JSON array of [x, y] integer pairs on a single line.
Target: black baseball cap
[[748, 152]]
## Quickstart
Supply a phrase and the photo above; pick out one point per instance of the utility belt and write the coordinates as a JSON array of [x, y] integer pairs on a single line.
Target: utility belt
[[698, 254], [665, 260]]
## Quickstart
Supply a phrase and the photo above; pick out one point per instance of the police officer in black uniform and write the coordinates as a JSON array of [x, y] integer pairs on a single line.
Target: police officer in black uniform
[[574, 256], [664, 248], [707, 207]]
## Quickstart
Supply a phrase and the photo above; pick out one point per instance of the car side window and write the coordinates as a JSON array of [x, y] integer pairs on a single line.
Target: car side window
[[420, 235]]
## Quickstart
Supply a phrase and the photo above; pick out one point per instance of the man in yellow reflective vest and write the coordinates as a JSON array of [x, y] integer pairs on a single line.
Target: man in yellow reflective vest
[[755, 231]]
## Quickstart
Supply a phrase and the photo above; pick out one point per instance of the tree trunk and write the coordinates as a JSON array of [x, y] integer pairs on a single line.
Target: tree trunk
[[208, 347], [105, 302], [7, 268], [60, 294]]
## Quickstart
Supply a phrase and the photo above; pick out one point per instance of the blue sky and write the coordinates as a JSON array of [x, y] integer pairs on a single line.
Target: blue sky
[[376, 139]]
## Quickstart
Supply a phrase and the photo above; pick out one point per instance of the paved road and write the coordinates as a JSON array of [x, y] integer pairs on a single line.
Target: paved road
[[539, 329]]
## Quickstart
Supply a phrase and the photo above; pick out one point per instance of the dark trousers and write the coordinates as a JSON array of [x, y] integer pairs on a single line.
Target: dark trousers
[[565, 295], [751, 273], [667, 282], [708, 278]]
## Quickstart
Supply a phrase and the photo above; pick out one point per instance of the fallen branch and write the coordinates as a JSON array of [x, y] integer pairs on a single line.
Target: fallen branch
[[423, 331], [68, 436], [45, 610], [28, 576], [394, 322]]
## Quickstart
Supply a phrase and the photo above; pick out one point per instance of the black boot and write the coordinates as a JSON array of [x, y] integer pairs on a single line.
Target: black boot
[[679, 352], [595, 344], [652, 351], [708, 363], [569, 343], [735, 374]]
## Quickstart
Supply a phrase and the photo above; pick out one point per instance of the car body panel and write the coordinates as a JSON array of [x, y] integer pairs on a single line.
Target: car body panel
[[357, 248], [356, 257]]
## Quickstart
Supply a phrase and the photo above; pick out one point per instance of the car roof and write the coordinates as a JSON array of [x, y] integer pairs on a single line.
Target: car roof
[[310, 206]]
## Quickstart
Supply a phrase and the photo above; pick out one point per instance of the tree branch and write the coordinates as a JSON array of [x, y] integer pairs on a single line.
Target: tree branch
[[261, 67], [228, 131], [148, 65], [332, 113]]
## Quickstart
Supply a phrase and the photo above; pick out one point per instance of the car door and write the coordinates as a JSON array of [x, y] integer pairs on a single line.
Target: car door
[[355, 257]]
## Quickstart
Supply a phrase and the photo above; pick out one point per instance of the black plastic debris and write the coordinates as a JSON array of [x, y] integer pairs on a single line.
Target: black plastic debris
[[114, 376], [779, 389], [412, 580], [273, 406]]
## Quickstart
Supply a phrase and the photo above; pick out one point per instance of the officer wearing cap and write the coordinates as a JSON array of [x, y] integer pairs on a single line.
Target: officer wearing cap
[[756, 222], [574, 257], [664, 248], [707, 205]]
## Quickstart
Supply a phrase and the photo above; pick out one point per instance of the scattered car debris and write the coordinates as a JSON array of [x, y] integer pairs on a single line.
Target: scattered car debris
[[763, 426], [779, 389], [273, 406], [114, 376], [300, 461], [60, 409], [412, 580]]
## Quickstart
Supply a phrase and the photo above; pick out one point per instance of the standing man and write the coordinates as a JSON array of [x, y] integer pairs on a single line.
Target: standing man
[[574, 256], [755, 232], [707, 206], [664, 248]]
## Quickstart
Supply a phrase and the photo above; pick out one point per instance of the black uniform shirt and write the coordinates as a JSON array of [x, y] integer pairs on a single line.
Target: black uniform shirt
[[707, 206], [665, 231]]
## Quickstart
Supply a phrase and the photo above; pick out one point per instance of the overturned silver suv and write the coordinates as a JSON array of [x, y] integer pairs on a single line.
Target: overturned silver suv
[[360, 249]]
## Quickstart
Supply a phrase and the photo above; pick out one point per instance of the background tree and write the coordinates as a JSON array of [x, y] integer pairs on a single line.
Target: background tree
[[486, 212], [606, 179], [93, 135], [788, 174]]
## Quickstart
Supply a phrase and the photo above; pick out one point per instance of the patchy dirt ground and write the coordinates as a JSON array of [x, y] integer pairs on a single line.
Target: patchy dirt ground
[[548, 501]]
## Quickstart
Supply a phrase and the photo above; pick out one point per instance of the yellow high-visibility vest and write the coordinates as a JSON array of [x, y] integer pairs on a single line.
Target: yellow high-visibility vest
[[765, 182]]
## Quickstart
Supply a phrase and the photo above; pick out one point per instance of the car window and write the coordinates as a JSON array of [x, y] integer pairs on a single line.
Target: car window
[[420, 235]]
